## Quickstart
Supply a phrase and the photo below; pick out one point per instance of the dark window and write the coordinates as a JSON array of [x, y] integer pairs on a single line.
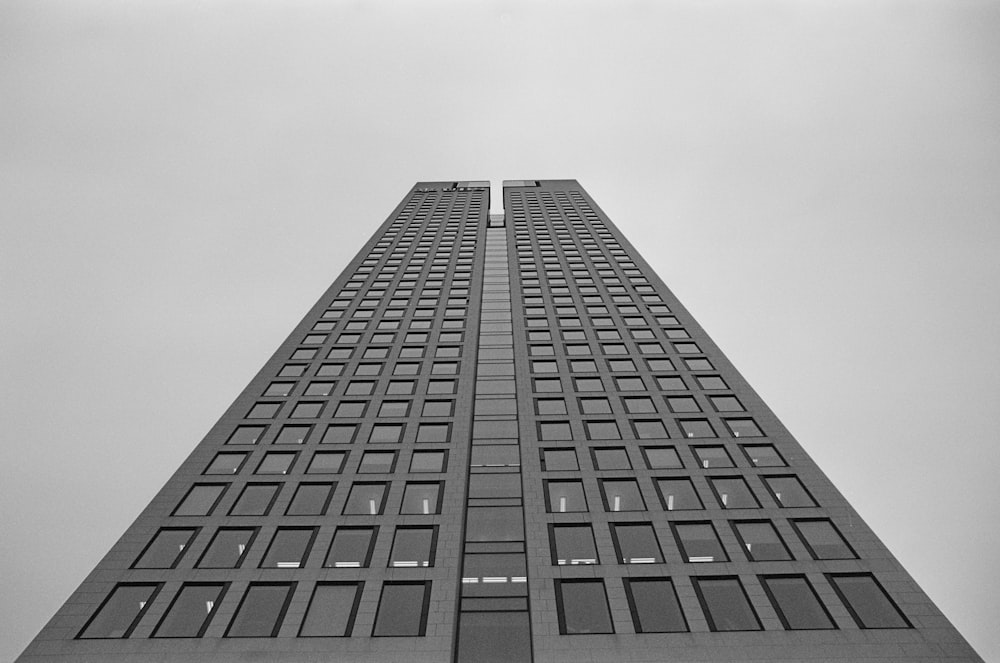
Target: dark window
[[726, 604], [413, 547], [639, 405], [394, 409], [121, 611], [630, 384], [166, 548], [761, 541], [377, 462], [339, 434], [350, 408], [621, 495], [260, 612], [201, 499], [276, 462], [402, 609], [572, 544], [711, 382], [433, 433], [326, 462], [658, 458], [246, 435], [386, 434], [698, 542], [351, 547], [263, 411], [588, 384], [294, 434], [743, 428], [320, 388], [595, 406], [311, 499], [763, 455], [190, 611], [654, 606], [400, 387], [635, 543], [678, 494], [602, 430], [554, 430], [796, 603], [255, 500], [289, 548], [713, 457], [428, 461], [421, 498], [583, 607], [228, 548], [226, 463], [696, 428], [494, 524], [726, 403], [554, 460], [733, 493], [565, 496], [366, 499], [683, 404], [306, 410], [613, 458], [437, 408], [496, 637], [550, 406], [823, 540], [332, 609], [867, 602], [789, 492]]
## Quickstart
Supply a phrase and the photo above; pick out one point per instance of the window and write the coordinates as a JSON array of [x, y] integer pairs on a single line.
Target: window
[[428, 461], [867, 601], [330, 370], [680, 404], [437, 408], [713, 457], [654, 606], [306, 410], [760, 541], [421, 498], [698, 542], [494, 524], [433, 433], [255, 500], [498, 637], [413, 547], [789, 492], [554, 430], [796, 603], [366, 499], [635, 543], [228, 548], [565, 496], [554, 460], [743, 428], [441, 387], [351, 548], [595, 405], [190, 611], [332, 609], [583, 607], [572, 544], [121, 611], [326, 462], [400, 387], [698, 364], [201, 499], [311, 499], [602, 430], [588, 384], [726, 604], [763, 455], [289, 548], [295, 434], [550, 406], [547, 385], [339, 434], [650, 429], [621, 495], [694, 428], [733, 493], [394, 409], [726, 403], [260, 612], [350, 409], [263, 411], [630, 384], [822, 539], [226, 462], [377, 462], [246, 435], [611, 458], [710, 382], [276, 462], [402, 609], [386, 433], [678, 494], [639, 405], [662, 458], [166, 548]]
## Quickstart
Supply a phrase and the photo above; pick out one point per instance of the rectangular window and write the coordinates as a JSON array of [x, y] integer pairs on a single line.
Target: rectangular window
[[602, 430], [332, 609], [867, 601], [556, 460], [582, 607], [662, 458], [788, 491], [763, 455], [733, 493], [678, 495], [166, 548], [698, 542], [635, 543], [276, 462], [611, 458], [713, 457], [226, 462], [413, 547], [760, 541], [402, 609], [293, 434], [339, 434], [377, 462], [289, 548], [327, 462], [119, 614], [255, 500], [261, 611], [796, 603], [201, 500], [228, 548], [726, 605], [565, 496], [654, 606], [246, 435], [696, 428], [366, 499], [191, 610], [572, 544], [621, 495], [351, 548], [823, 540], [386, 433]]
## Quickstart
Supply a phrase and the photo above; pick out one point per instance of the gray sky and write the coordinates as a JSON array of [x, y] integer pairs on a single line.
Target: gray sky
[[817, 181]]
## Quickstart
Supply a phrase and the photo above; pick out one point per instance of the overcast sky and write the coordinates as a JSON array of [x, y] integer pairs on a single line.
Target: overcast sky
[[819, 182]]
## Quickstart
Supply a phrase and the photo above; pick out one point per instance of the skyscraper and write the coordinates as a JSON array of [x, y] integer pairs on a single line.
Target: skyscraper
[[498, 438]]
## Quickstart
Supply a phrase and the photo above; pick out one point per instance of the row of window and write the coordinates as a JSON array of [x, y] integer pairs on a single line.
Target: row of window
[[561, 459], [644, 429], [326, 462]]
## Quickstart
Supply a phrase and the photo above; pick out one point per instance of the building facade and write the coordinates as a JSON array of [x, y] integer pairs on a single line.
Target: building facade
[[498, 439]]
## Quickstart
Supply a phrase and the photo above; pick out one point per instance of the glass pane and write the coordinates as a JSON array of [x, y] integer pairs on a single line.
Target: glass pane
[[226, 463], [559, 459], [246, 435], [637, 544], [412, 547], [566, 496], [120, 612], [611, 459], [602, 430], [331, 610], [377, 462], [789, 491], [711, 457], [339, 434], [584, 607], [420, 498], [288, 549], [678, 494], [658, 458], [726, 605], [351, 548], [427, 461], [276, 462], [622, 495], [734, 494], [494, 637], [761, 542], [260, 612], [292, 435], [226, 549], [189, 614], [400, 610], [494, 524], [326, 462], [200, 500], [165, 549], [365, 499], [699, 542], [650, 430], [763, 455], [743, 428], [573, 544], [869, 604], [797, 603], [683, 404], [726, 403], [823, 539], [386, 433], [255, 500], [655, 608]]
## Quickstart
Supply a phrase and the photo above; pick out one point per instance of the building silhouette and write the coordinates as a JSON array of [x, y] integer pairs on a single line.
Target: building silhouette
[[498, 438]]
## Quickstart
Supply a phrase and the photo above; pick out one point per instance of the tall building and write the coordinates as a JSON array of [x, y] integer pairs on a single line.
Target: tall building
[[498, 438]]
